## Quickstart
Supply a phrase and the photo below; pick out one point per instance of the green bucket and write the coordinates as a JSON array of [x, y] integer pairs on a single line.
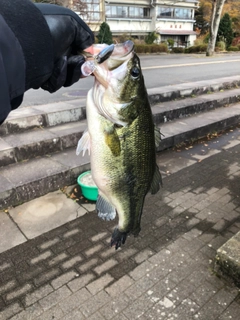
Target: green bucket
[[89, 192]]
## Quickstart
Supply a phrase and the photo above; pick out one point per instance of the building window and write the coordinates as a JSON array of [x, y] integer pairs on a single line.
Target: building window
[[178, 13], [92, 10], [126, 12], [164, 12], [182, 13]]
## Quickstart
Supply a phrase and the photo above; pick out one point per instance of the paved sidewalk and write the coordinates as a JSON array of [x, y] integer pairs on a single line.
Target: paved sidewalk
[[70, 272]]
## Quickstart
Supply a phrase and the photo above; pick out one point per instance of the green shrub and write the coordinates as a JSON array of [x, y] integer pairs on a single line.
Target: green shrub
[[192, 49], [196, 49], [233, 48], [170, 42], [203, 47], [104, 35], [151, 37], [221, 45], [178, 50]]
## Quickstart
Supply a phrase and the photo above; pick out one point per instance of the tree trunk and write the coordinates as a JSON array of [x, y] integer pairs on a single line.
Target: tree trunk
[[217, 6]]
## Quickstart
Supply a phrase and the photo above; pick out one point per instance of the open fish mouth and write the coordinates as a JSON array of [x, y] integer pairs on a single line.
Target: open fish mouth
[[123, 49], [108, 64]]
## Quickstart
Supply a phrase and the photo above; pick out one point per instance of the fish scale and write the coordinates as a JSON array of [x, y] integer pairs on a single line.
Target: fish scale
[[122, 143]]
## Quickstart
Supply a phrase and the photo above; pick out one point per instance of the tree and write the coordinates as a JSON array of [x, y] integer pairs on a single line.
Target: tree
[[201, 23], [151, 37], [232, 7], [105, 34], [225, 31], [217, 6]]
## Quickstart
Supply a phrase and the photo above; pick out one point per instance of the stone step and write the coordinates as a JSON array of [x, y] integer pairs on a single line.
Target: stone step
[[190, 89], [37, 142], [168, 111], [42, 116], [198, 126], [227, 261], [39, 116], [30, 179]]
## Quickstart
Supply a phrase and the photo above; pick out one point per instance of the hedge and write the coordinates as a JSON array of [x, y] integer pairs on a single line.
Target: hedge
[[150, 48], [178, 50], [233, 48]]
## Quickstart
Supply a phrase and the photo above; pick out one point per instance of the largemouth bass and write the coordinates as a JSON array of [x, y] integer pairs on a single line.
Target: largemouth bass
[[121, 139]]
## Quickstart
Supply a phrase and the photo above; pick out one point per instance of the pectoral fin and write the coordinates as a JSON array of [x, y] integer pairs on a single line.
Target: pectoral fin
[[112, 141], [84, 143], [105, 210], [156, 181]]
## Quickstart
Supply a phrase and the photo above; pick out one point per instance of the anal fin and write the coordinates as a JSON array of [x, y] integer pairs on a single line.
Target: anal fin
[[156, 181], [106, 210]]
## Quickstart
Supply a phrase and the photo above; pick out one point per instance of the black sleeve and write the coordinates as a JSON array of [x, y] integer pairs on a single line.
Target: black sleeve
[[23, 63], [12, 71]]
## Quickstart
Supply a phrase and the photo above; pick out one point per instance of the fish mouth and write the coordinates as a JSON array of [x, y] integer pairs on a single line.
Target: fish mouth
[[100, 50], [120, 54], [121, 50]]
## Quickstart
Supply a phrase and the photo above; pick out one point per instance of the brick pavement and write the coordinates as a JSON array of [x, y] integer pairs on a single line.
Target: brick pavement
[[165, 273]]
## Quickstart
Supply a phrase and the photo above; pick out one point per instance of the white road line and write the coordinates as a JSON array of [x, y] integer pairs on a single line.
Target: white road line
[[189, 64]]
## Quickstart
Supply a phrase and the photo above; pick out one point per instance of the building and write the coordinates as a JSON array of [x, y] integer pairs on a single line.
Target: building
[[175, 19], [168, 18]]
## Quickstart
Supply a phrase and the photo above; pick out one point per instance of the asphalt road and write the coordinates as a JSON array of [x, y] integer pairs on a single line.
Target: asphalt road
[[158, 70]]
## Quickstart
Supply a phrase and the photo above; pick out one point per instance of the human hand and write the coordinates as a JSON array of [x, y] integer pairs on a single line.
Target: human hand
[[70, 36]]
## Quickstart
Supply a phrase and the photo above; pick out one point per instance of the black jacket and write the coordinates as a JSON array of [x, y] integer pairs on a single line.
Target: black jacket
[[22, 62], [30, 45]]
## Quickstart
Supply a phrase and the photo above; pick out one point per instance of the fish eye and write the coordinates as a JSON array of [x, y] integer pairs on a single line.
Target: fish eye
[[135, 72]]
